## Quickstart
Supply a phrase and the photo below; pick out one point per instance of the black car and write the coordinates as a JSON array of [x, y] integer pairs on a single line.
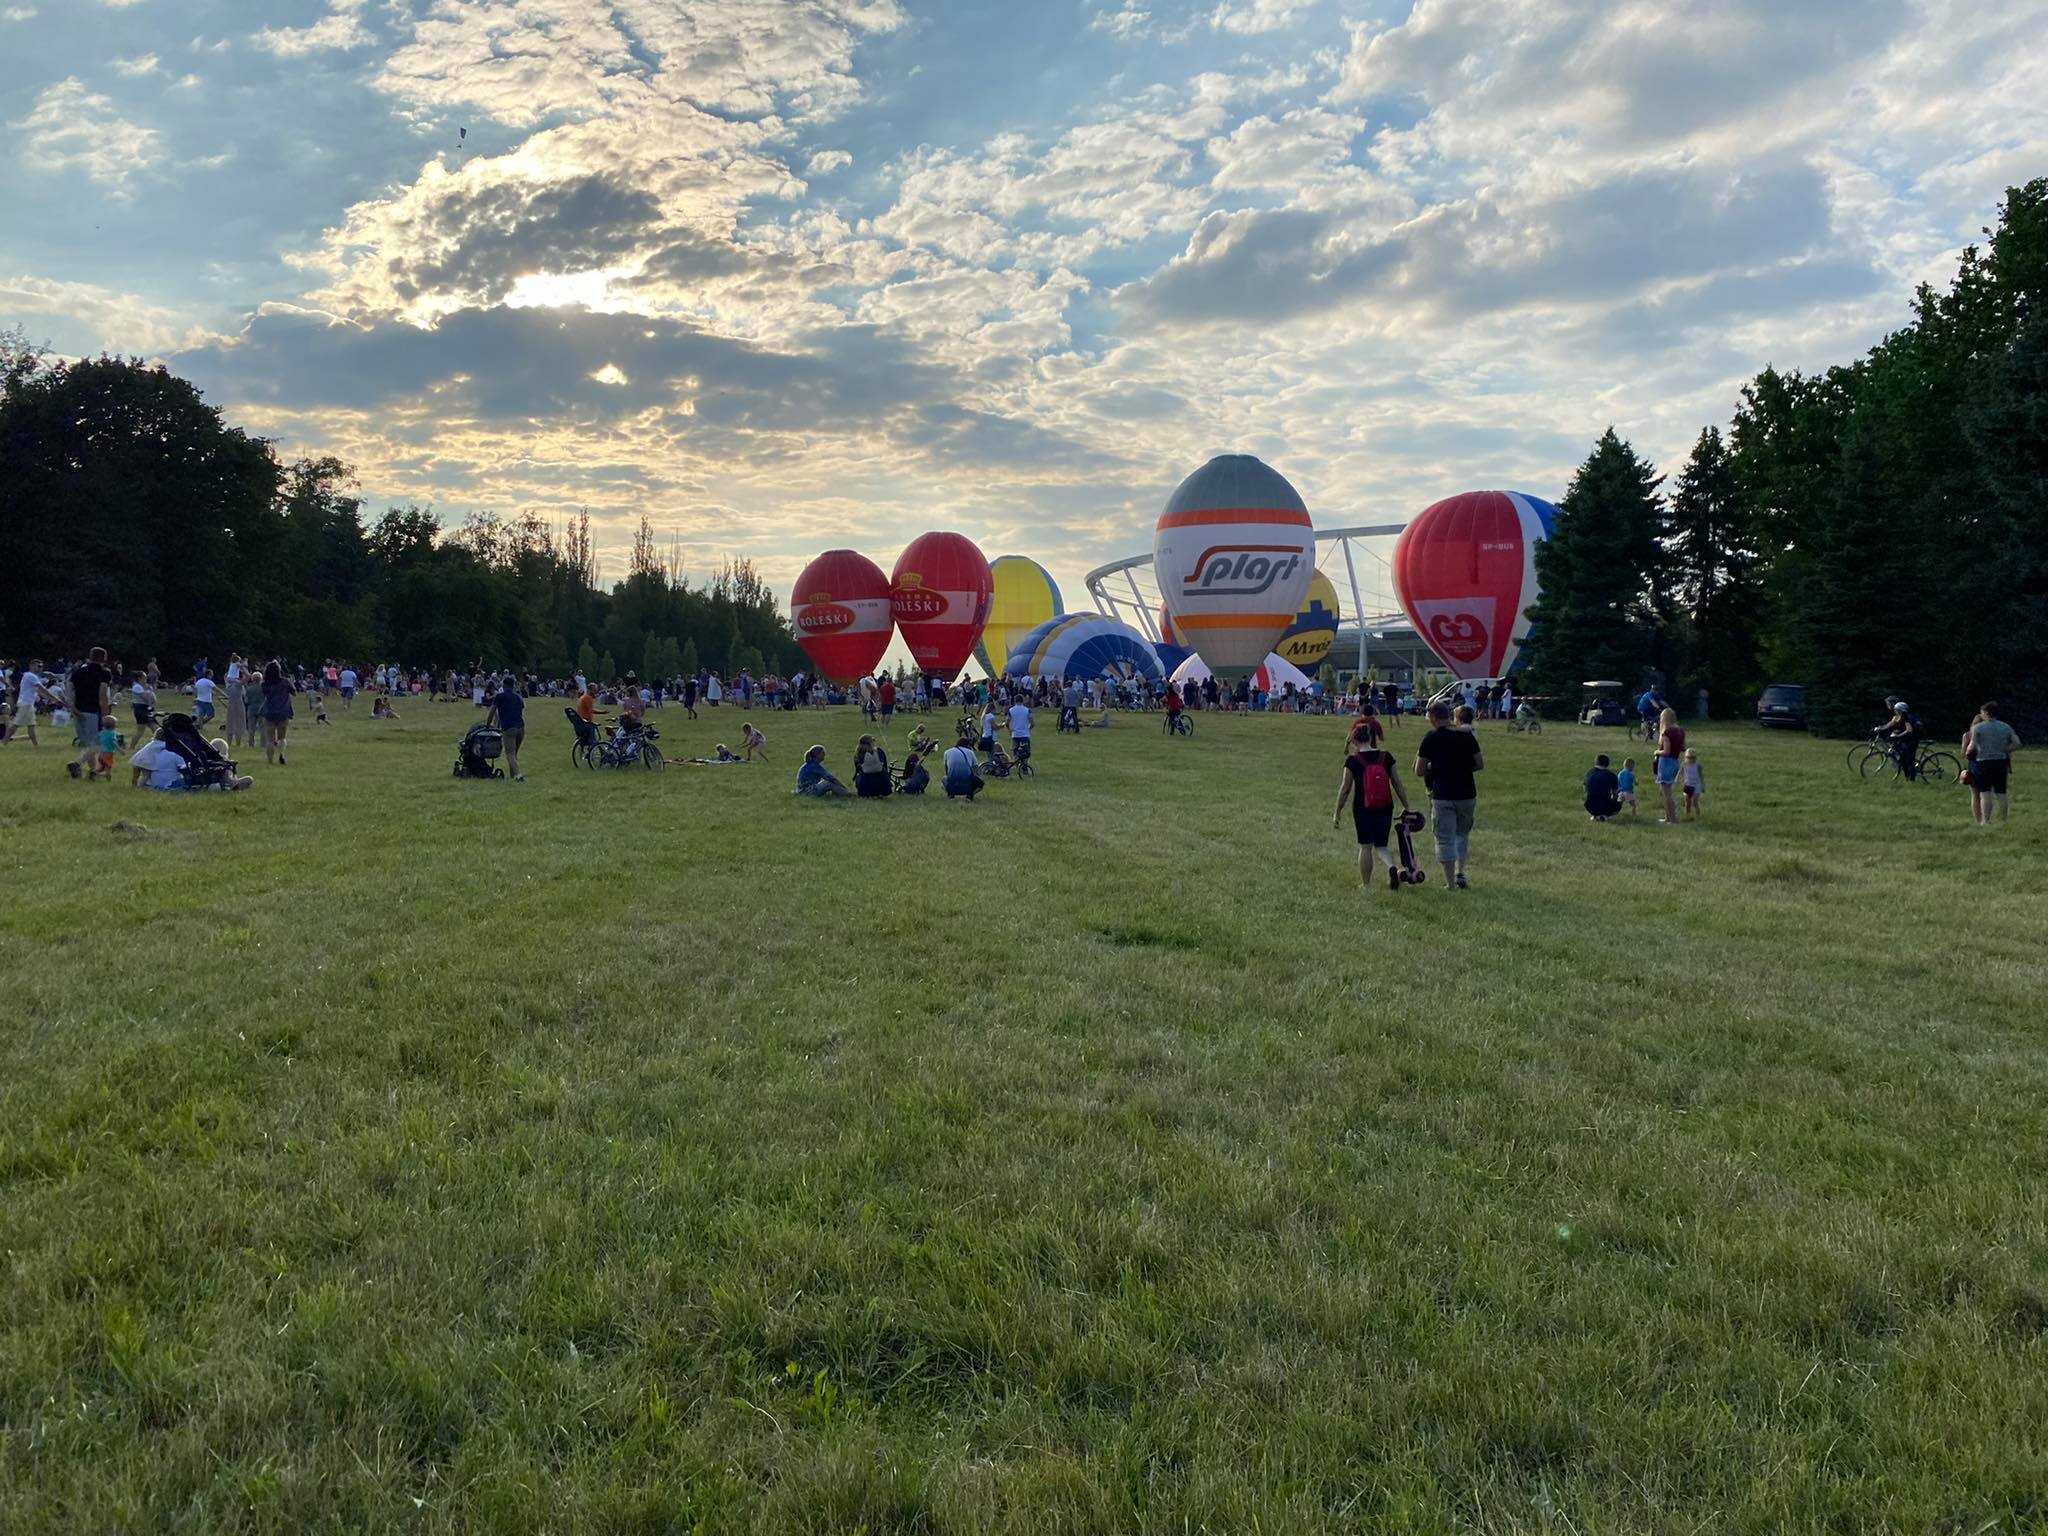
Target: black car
[[1782, 704]]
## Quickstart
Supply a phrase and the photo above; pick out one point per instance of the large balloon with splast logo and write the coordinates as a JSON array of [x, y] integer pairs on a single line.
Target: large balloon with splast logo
[[1233, 553], [840, 611], [1025, 596], [1308, 639], [940, 593], [1465, 571]]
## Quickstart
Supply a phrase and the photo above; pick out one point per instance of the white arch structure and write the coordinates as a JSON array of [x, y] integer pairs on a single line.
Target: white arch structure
[[1358, 562]]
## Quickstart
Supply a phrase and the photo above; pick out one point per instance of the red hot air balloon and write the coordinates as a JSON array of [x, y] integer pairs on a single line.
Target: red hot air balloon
[[940, 594], [840, 612], [1465, 571]]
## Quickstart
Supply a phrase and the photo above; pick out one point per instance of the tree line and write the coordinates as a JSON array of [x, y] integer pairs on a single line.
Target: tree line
[[1879, 528], [138, 519]]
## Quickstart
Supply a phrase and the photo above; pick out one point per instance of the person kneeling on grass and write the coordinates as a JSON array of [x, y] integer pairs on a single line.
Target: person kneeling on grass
[[1603, 791], [915, 778], [963, 777], [815, 779]]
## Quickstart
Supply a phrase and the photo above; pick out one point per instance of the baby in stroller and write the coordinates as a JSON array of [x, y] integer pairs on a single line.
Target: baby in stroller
[[997, 765], [179, 758]]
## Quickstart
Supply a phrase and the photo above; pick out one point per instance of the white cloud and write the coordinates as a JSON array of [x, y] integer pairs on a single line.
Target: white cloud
[[118, 322], [18, 13], [73, 128], [1127, 23], [826, 161], [146, 64], [1258, 16], [339, 31]]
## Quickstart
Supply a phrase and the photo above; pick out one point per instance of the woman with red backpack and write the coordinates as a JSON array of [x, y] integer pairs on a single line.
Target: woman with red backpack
[[1371, 783]]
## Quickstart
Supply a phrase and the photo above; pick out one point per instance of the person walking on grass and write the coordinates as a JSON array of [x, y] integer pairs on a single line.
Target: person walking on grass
[[30, 691], [91, 687], [508, 714], [1446, 761], [1670, 759], [1988, 746], [1371, 783], [277, 712], [237, 703]]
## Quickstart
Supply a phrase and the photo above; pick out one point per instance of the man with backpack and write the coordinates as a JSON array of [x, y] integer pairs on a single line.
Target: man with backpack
[[1371, 784]]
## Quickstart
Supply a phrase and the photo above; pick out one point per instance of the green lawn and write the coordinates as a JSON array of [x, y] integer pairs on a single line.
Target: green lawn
[[626, 1152]]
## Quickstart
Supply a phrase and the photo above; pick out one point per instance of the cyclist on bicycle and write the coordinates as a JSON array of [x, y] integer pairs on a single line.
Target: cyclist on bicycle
[[1648, 708], [1903, 732], [1173, 708]]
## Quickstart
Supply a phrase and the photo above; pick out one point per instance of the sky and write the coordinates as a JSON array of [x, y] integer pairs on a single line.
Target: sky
[[786, 275]]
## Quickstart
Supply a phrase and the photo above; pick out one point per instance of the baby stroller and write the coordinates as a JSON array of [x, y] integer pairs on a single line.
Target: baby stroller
[[1406, 825], [997, 764], [1070, 719], [477, 753], [204, 767]]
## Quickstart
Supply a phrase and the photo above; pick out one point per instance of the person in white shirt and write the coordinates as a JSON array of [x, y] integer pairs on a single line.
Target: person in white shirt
[[962, 771], [348, 686], [156, 762], [988, 728], [30, 688], [202, 699]]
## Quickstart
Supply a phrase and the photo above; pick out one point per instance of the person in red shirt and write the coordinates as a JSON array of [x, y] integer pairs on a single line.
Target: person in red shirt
[[1366, 730], [885, 699], [1174, 705]]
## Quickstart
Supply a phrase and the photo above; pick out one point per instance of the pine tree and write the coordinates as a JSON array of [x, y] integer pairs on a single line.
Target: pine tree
[[691, 665], [586, 660], [1598, 575], [650, 658], [607, 668]]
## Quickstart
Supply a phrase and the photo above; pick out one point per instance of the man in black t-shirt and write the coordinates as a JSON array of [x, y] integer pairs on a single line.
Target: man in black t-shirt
[[92, 695], [1446, 761]]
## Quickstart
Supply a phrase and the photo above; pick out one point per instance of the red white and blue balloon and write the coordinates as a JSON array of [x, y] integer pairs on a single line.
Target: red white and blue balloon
[[1465, 571]]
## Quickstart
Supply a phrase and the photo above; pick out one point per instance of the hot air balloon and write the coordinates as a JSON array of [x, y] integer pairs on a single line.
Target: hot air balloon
[[1083, 645], [1025, 597], [940, 593], [1233, 553], [840, 611], [1171, 652], [1314, 630], [1465, 571]]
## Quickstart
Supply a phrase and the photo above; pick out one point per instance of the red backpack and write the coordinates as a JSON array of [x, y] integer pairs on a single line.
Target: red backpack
[[1378, 791]]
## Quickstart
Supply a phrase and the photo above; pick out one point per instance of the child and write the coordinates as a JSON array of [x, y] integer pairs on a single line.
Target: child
[[752, 742], [1625, 782], [109, 744], [1695, 786], [320, 708]]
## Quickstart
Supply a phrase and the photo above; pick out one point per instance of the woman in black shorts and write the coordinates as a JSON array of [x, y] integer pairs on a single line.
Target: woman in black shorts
[[1372, 783]]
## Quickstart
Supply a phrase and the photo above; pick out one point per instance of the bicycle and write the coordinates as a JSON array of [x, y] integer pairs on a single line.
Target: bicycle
[[1863, 751], [1179, 724], [1929, 767]]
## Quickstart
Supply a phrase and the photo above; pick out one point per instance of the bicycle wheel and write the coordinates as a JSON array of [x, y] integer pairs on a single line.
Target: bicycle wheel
[[1879, 765], [651, 758], [1859, 752], [1940, 768]]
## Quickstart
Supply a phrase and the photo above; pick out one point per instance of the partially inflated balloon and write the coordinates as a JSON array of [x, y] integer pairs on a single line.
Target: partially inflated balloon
[[1233, 553], [1465, 571], [1083, 646], [840, 612], [940, 593], [1025, 597], [1314, 630]]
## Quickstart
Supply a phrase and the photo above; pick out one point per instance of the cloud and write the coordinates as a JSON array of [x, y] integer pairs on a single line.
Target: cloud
[[72, 128], [1257, 16], [1127, 23], [146, 64], [826, 161], [1590, 244], [339, 31], [18, 13], [123, 323]]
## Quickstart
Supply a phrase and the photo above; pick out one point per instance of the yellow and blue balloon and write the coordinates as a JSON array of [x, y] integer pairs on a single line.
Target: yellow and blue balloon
[[1026, 596]]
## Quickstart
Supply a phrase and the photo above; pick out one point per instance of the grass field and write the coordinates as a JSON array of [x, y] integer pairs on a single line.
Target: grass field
[[628, 1152]]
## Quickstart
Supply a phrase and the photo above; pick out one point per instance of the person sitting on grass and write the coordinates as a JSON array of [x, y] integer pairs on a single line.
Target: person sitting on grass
[[921, 743], [914, 778], [963, 778], [380, 708], [1603, 791], [815, 779], [752, 743], [1625, 785], [871, 779]]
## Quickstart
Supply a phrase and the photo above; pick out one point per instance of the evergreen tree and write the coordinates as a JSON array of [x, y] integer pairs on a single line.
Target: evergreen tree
[[586, 661], [650, 658], [607, 668], [1598, 574], [691, 665]]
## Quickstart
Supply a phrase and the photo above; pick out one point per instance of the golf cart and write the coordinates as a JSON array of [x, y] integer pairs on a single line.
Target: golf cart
[[1600, 703]]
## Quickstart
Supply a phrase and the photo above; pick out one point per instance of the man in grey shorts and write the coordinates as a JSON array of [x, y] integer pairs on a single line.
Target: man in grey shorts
[[1446, 761]]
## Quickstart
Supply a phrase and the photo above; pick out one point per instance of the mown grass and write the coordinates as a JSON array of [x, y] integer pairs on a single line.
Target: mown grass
[[630, 1153]]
